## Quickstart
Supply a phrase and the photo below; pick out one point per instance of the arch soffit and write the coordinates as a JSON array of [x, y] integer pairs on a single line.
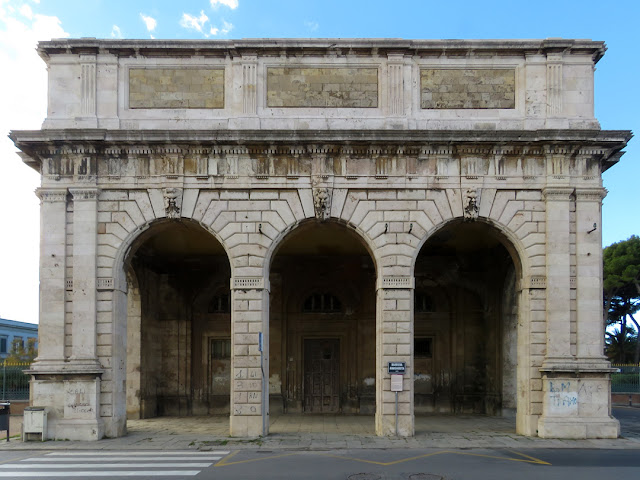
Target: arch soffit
[[507, 238], [137, 235], [283, 236]]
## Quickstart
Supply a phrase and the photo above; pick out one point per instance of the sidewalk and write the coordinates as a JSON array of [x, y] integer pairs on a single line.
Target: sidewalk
[[323, 432]]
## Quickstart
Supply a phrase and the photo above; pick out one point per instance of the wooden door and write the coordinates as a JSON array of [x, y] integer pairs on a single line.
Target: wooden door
[[322, 375]]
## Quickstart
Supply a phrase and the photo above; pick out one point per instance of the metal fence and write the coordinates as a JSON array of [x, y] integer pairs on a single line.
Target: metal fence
[[14, 382], [627, 380]]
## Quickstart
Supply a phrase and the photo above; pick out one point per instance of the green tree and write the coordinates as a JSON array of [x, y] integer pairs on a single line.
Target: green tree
[[622, 294], [19, 354]]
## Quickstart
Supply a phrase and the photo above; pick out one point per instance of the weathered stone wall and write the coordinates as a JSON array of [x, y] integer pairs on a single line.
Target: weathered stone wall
[[322, 87], [392, 173], [468, 88], [176, 88]]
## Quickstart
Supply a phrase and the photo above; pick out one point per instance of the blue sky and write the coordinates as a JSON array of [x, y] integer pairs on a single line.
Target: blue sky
[[23, 85]]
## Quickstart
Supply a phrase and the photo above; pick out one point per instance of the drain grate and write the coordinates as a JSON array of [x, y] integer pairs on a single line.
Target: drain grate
[[364, 476], [426, 476]]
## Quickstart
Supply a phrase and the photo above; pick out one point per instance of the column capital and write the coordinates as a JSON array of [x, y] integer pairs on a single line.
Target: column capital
[[405, 282], [557, 194], [590, 194], [85, 193], [51, 195]]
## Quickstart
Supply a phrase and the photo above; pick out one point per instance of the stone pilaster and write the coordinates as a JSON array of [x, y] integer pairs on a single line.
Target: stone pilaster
[[394, 343], [590, 330], [249, 386], [52, 277], [557, 203], [85, 235]]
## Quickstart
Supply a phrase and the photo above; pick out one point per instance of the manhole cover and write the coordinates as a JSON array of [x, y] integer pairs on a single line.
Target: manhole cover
[[364, 476], [426, 476]]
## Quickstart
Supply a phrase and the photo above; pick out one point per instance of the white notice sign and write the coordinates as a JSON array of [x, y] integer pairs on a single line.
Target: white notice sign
[[396, 383]]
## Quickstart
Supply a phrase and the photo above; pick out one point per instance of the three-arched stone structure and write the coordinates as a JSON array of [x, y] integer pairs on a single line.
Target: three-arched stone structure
[[312, 213]]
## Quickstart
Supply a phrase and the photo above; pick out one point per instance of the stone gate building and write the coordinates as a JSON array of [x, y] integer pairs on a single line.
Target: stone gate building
[[255, 226]]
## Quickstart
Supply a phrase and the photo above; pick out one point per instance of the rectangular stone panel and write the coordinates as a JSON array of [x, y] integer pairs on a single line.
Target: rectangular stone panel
[[176, 88], [469, 88], [331, 87]]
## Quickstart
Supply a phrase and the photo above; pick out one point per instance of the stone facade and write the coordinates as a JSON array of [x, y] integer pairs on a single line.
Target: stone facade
[[245, 226]]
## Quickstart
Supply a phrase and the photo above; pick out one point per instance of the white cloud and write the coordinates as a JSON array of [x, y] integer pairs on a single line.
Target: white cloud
[[26, 11], [194, 23], [224, 30], [150, 22], [232, 4], [23, 93], [116, 32], [312, 26]]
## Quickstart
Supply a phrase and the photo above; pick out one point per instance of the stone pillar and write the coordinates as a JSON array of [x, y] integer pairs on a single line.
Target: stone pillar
[[249, 415], [590, 327], [576, 396], [53, 232], [85, 243], [558, 275], [394, 343]]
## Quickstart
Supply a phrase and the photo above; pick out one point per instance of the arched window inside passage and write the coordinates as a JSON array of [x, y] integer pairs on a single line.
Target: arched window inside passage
[[321, 303]]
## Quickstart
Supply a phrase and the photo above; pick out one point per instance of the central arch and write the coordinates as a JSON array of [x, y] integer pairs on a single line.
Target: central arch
[[322, 321]]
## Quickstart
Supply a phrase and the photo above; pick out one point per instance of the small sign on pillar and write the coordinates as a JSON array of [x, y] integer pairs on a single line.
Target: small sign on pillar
[[396, 382]]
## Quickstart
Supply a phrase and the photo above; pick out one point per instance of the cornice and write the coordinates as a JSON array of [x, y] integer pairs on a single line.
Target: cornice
[[325, 46], [606, 144]]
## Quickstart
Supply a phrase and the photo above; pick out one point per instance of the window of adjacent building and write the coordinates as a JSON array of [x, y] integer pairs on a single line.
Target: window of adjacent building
[[219, 304], [423, 302], [423, 347], [19, 341], [3, 344], [321, 303], [221, 348]]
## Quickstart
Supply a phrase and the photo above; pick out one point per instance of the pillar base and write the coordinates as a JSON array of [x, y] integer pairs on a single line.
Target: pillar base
[[576, 403], [578, 428], [247, 426], [84, 430]]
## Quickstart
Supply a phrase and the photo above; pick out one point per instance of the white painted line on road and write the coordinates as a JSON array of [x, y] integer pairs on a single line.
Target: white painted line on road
[[98, 458], [109, 465], [147, 452], [113, 473]]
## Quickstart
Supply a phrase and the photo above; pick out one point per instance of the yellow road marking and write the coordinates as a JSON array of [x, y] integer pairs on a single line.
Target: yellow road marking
[[225, 463], [527, 458], [534, 460]]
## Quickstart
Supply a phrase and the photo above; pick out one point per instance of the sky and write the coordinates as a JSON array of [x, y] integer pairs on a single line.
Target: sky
[[23, 77]]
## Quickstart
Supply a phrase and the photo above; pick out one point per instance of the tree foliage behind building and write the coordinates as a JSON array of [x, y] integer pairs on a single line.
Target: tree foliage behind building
[[622, 300]]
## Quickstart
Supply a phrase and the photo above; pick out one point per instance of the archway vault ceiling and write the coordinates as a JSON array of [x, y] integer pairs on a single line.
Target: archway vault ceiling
[[322, 239]]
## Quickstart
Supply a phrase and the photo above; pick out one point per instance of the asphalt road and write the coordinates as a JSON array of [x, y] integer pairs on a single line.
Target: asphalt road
[[432, 464], [361, 464]]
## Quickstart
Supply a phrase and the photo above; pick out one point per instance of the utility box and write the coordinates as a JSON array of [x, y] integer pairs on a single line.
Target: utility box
[[34, 424], [5, 410]]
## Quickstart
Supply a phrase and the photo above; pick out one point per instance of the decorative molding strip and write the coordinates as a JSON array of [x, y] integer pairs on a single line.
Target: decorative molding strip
[[557, 194], [537, 281], [104, 283], [80, 194], [590, 194], [88, 87], [248, 283], [572, 283], [52, 195], [404, 282]]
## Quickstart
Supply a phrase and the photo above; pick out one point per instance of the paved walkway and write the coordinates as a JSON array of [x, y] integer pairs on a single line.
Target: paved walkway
[[326, 432]]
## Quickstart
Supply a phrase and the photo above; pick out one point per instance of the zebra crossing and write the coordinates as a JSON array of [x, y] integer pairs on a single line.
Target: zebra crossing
[[97, 464]]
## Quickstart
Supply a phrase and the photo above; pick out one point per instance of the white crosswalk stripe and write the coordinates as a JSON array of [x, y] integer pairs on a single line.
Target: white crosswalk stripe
[[107, 464]]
